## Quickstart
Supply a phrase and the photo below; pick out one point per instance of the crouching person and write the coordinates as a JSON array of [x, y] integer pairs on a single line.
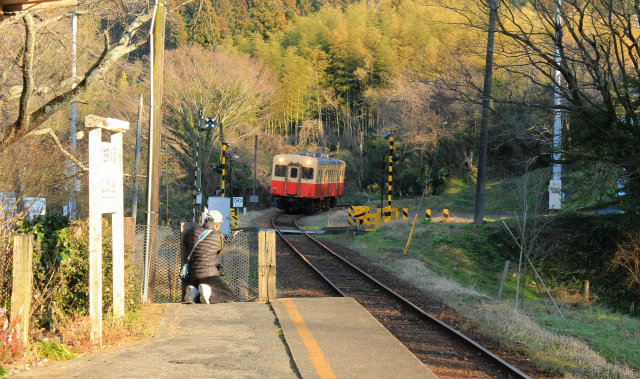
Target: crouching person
[[205, 244]]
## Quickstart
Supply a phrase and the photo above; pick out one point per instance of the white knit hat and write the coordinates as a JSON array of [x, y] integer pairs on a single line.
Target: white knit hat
[[214, 216]]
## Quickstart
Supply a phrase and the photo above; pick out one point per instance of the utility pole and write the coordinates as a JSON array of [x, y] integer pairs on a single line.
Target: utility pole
[[136, 170], [197, 175], [555, 184], [75, 185], [223, 148], [478, 214], [155, 123], [255, 164]]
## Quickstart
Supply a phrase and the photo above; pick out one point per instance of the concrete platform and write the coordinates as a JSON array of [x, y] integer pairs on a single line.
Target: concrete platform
[[338, 338], [235, 340], [319, 338]]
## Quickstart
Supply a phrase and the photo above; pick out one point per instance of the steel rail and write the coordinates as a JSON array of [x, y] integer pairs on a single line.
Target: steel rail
[[439, 322], [273, 222]]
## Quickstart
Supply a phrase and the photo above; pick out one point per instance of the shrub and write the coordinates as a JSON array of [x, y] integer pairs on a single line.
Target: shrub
[[11, 345], [61, 269]]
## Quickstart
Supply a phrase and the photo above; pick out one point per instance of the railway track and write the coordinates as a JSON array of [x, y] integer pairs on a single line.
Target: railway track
[[447, 351]]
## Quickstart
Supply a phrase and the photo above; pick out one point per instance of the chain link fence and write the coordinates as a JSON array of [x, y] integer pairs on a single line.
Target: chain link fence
[[239, 263]]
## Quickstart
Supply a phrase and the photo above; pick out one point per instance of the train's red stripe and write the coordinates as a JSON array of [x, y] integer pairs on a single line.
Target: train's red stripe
[[307, 190]]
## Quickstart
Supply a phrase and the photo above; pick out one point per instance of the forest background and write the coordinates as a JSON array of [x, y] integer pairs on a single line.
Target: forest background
[[334, 77]]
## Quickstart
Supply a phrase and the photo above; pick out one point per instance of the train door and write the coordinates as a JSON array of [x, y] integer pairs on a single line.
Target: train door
[[292, 181]]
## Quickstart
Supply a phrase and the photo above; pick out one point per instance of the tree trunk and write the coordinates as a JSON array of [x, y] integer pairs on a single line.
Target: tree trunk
[[478, 214]]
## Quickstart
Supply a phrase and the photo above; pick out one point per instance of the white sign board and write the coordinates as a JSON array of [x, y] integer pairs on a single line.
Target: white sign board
[[237, 202], [222, 205]]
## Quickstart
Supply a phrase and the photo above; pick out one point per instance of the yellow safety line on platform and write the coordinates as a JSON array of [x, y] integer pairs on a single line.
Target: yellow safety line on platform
[[317, 356]]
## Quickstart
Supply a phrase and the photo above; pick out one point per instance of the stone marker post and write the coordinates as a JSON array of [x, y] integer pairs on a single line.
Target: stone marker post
[[105, 196]]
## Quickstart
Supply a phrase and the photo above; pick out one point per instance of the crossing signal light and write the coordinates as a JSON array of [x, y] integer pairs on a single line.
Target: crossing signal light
[[209, 122]]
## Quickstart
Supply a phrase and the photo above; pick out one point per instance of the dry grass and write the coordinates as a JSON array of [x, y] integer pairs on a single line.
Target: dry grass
[[553, 351], [328, 219]]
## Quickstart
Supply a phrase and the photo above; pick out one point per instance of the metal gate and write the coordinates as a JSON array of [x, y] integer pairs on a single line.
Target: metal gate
[[239, 262]]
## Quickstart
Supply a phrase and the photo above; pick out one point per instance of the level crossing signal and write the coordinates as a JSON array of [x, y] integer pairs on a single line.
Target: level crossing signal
[[210, 122]]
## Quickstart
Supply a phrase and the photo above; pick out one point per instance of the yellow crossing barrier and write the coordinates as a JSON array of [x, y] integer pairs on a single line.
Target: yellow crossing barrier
[[233, 218], [370, 222], [356, 214]]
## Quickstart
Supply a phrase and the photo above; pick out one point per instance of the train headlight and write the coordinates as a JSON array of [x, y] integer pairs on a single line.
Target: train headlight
[[308, 161], [281, 159]]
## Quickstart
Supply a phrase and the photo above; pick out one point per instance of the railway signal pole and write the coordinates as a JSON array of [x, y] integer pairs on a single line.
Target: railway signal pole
[[209, 123], [224, 166], [392, 150], [555, 184]]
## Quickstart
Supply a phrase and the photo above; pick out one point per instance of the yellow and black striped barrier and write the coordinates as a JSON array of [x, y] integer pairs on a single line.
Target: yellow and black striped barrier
[[427, 215], [371, 221], [387, 214], [357, 213], [365, 220], [233, 218], [351, 219], [445, 215]]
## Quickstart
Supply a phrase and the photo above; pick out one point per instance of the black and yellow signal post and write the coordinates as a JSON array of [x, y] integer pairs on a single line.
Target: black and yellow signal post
[[222, 166], [223, 163], [233, 218], [392, 149]]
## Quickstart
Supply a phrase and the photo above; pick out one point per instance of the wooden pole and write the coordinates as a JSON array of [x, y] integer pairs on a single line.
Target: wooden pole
[[130, 233], [586, 291], [22, 281], [136, 169], [153, 179], [266, 265]]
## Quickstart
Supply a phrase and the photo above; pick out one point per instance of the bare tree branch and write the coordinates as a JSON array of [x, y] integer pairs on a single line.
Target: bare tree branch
[[64, 151], [27, 121]]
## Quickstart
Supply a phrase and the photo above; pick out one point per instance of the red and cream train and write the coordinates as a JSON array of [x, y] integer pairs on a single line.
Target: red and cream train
[[306, 182]]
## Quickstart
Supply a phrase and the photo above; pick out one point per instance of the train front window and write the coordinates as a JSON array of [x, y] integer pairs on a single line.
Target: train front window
[[281, 170], [293, 173], [307, 173]]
